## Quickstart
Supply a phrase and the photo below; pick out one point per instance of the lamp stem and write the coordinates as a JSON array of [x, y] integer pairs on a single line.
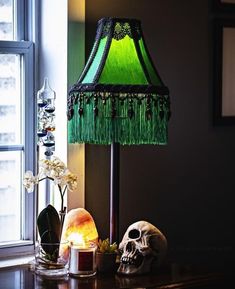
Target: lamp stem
[[114, 192]]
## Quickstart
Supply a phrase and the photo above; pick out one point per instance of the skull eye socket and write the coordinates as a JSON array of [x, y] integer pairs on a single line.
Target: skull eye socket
[[134, 234]]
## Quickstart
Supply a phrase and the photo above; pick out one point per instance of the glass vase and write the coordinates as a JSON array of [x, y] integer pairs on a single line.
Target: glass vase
[[50, 260]]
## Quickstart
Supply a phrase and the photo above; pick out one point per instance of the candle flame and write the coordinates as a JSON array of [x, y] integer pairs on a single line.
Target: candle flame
[[77, 239]]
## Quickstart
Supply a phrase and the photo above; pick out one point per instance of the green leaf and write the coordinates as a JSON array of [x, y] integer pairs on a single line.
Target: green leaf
[[104, 246], [49, 228]]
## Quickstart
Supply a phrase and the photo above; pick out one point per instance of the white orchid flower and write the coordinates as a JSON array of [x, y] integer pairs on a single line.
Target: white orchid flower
[[54, 168], [71, 181], [56, 171], [29, 181], [46, 167]]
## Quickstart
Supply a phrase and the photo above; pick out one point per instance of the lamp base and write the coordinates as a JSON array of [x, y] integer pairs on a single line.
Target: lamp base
[[114, 192]]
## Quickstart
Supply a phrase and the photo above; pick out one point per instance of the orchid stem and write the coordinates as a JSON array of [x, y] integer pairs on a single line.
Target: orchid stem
[[62, 209], [45, 179]]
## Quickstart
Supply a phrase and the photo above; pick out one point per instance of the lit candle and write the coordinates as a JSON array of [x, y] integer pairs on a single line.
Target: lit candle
[[82, 259]]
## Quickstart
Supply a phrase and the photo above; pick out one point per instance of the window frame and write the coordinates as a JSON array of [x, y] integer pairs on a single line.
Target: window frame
[[27, 50]]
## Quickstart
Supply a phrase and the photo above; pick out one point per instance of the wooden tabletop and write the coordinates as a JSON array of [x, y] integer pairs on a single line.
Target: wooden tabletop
[[171, 277]]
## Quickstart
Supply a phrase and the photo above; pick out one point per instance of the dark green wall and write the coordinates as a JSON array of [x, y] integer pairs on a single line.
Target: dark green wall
[[187, 187]]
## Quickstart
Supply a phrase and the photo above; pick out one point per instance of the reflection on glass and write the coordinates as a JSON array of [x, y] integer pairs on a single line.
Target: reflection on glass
[[10, 99], [10, 192], [54, 283], [6, 20]]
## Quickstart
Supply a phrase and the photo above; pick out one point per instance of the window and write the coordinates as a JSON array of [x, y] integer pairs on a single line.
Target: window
[[17, 153]]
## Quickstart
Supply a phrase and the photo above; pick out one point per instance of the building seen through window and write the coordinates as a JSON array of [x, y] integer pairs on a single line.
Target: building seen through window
[[10, 131], [10, 127], [6, 20]]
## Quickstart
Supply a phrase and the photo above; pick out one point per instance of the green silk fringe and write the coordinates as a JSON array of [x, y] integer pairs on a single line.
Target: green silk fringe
[[103, 129]]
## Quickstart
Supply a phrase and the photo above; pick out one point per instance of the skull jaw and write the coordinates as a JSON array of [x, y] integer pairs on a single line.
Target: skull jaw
[[143, 268]]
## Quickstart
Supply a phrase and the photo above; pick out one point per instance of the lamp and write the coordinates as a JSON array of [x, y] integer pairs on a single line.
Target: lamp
[[118, 99], [79, 227]]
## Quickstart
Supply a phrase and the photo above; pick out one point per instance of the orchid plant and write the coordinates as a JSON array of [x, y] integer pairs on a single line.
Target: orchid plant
[[56, 171]]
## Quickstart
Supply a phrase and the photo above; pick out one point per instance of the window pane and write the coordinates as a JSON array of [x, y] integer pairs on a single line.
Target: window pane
[[10, 196], [6, 20], [10, 99]]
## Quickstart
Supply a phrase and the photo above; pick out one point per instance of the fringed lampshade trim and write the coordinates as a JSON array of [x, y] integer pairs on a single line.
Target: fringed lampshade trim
[[104, 118]]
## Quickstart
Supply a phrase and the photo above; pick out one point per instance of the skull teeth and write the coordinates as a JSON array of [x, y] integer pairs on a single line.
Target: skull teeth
[[127, 260], [136, 260]]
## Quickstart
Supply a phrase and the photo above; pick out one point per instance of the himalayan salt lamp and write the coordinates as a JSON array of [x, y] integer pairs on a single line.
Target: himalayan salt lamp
[[78, 225]]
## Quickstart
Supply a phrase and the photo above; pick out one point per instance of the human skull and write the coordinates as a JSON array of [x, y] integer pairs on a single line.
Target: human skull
[[142, 244]]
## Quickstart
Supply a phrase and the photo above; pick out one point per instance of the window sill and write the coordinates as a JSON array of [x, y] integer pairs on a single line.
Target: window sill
[[10, 262]]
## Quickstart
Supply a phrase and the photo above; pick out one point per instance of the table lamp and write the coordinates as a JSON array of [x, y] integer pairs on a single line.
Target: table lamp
[[118, 99]]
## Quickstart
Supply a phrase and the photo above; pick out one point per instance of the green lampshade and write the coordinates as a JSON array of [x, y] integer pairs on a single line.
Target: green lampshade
[[119, 96]]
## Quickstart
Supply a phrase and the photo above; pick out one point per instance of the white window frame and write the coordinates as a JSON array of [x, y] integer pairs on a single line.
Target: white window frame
[[25, 46]]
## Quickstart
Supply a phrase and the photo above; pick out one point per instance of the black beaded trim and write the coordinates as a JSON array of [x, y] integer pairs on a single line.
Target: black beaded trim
[[118, 88], [80, 98], [122, 27]]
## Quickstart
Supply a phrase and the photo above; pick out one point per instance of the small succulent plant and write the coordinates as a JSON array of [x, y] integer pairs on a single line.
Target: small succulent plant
[[104, 246]]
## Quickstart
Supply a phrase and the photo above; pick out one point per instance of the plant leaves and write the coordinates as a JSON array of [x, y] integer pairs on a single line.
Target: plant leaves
[[104, 246], [50, 244], [49, 227]]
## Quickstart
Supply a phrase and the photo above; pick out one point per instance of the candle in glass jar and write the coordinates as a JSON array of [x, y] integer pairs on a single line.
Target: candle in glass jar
[[82, 260]]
